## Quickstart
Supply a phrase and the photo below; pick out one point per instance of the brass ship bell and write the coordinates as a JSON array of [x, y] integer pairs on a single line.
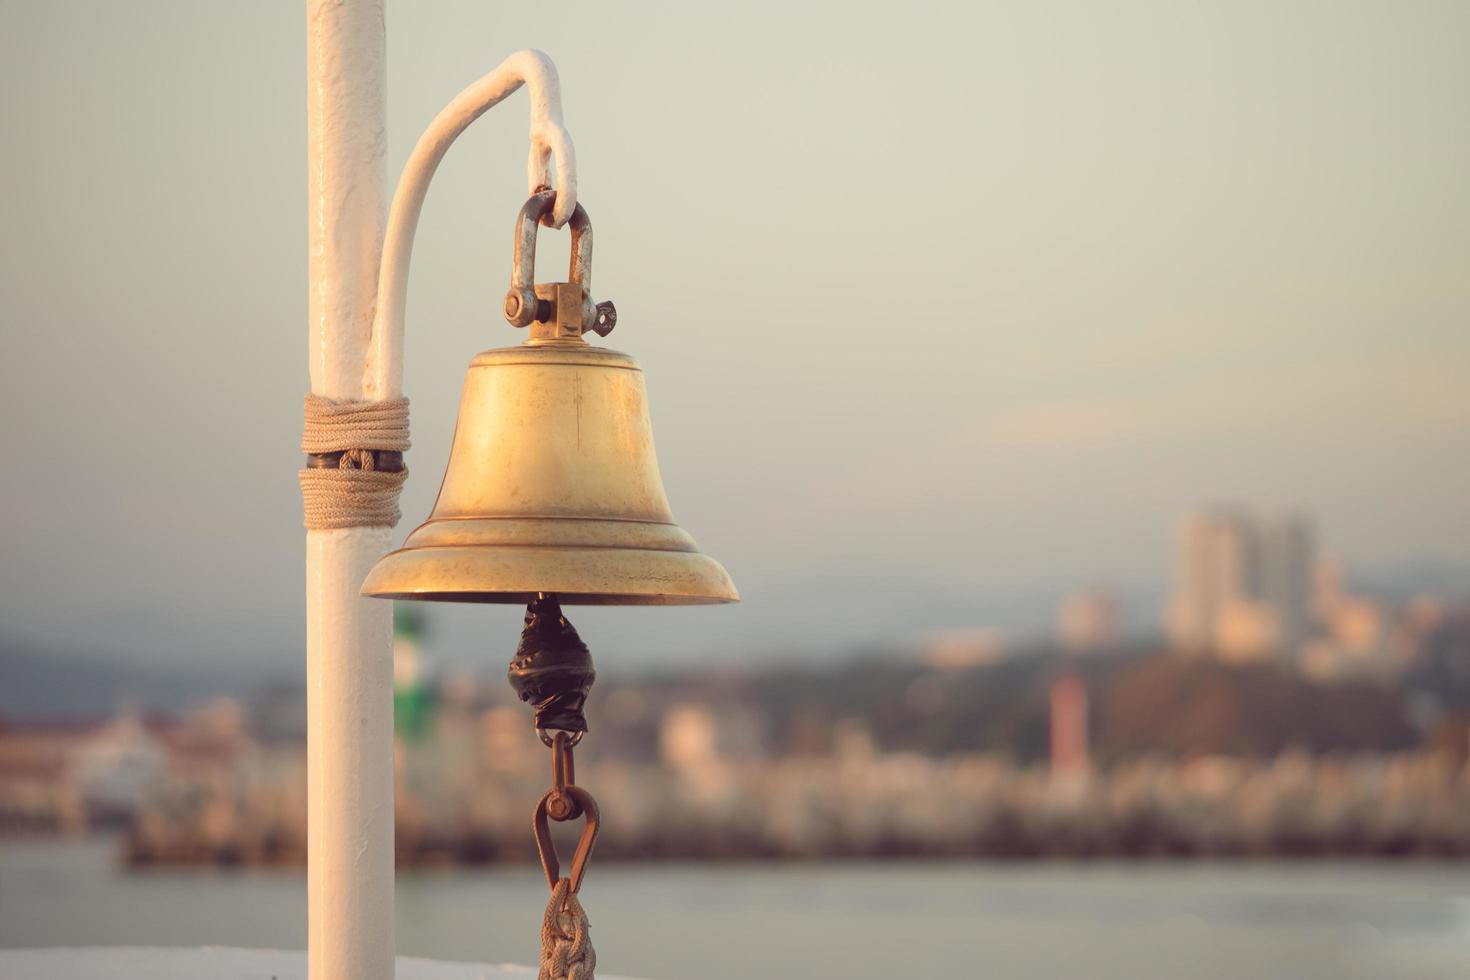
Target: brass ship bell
[[552, 485]]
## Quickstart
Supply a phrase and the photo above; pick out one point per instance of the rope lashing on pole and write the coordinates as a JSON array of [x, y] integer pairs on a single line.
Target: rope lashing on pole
[[355, 462], [566, 943]]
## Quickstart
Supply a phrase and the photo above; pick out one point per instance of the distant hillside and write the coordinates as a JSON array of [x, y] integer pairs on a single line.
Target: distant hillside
[[1140, 701], [1187, 705], [38, 683]]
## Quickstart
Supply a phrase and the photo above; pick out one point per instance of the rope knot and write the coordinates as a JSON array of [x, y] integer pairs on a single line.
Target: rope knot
[[357, 459], [566, 946], [354, 493]]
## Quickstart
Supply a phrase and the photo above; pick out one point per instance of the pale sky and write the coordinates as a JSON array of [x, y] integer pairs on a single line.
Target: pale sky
[[939, 305]]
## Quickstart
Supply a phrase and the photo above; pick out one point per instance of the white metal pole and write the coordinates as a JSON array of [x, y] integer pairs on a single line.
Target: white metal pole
[[349, 673], [551, 148]]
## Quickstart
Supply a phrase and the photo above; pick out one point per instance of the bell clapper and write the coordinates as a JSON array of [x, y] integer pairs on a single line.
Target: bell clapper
[[552, 670]]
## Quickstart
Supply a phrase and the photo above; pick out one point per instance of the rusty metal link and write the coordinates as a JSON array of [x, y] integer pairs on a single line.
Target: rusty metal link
[[561, 311], [562, 806], [564, 801], [546, 735]]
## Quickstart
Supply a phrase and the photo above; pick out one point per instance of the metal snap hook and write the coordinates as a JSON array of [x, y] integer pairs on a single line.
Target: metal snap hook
[[546, 848]]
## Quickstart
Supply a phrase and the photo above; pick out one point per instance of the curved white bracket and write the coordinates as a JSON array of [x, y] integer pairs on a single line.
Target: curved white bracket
[[549, 139]]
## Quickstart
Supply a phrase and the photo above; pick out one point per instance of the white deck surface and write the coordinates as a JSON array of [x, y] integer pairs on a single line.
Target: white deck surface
[[215, 963]]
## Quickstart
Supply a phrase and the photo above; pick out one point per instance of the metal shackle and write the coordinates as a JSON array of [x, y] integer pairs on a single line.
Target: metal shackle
[[522, 308]]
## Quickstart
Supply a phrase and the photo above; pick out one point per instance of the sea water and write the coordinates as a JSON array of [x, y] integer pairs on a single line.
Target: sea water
[[1295, 921]]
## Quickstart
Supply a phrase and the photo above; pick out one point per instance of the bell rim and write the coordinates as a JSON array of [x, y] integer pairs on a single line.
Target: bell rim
[[565, 598], [592, 576]]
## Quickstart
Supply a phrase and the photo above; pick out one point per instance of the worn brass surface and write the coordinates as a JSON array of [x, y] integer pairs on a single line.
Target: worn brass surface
[[552, 487]]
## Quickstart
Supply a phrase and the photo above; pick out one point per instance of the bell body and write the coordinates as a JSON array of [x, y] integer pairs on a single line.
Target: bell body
[[552, 487]]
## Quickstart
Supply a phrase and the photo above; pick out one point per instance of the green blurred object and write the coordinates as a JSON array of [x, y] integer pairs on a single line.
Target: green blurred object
[[413, 703]]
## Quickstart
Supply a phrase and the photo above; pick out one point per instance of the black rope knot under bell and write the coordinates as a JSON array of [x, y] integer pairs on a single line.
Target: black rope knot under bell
[[552, 668]]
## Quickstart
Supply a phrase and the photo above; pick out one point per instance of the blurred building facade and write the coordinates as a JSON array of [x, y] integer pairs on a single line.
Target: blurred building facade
[[1242, 586], [1068, 717], [1089, 621]]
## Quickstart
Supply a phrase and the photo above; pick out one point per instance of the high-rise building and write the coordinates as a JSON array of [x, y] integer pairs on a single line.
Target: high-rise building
[[1215, 570], [1284, 577], [1242, 589]]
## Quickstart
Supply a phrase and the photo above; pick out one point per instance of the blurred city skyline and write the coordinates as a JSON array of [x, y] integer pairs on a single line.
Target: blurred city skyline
[[1181, 256]]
